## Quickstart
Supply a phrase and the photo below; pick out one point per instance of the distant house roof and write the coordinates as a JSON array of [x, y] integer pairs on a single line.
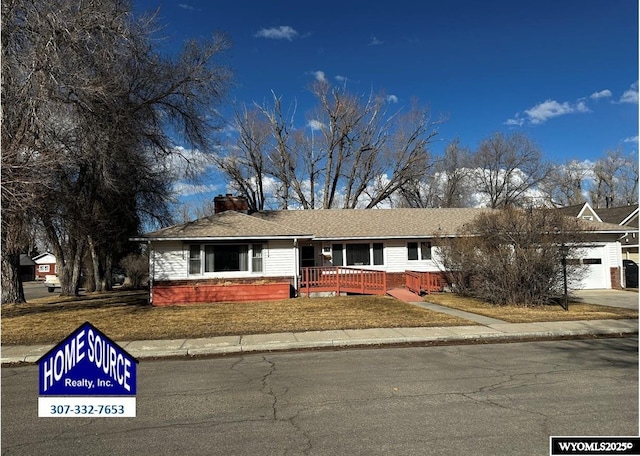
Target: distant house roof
[[26, 261], [623, 215], [583, 211], [334, 224], [45, 258]]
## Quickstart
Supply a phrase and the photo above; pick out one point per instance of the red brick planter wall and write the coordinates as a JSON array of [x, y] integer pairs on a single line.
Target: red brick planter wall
[[166, 295]]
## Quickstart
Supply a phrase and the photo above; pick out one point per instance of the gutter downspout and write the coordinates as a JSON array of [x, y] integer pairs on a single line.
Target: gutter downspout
[[295, 265]]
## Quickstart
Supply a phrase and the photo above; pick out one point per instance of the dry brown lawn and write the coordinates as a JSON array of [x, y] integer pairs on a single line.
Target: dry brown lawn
[[520, 314], [126, 315]]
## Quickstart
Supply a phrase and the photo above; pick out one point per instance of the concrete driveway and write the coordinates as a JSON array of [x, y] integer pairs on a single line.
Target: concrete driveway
[[613, 298]]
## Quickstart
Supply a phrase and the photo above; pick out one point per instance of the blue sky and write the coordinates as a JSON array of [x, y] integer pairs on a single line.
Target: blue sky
[[563, 72]]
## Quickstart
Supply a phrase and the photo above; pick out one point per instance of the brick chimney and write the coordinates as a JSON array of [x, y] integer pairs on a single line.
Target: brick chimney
[[230, 203]]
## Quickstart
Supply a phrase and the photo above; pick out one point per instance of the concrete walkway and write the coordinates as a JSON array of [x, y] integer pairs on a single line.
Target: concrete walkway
[[405, 295], [348, 338]]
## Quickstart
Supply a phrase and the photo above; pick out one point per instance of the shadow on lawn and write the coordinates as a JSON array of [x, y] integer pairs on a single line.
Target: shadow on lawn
[[128, 298]]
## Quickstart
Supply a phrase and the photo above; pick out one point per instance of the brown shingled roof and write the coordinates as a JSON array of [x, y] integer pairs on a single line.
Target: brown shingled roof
[[228, 224], [375, 223], [324, 224], [617, 214], [329, 224]]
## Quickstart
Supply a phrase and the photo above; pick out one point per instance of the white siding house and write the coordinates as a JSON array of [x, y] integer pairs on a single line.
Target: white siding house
[[276, 246]]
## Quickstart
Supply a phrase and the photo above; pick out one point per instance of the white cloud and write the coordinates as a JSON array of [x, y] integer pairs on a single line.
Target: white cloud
[[392, 99], [315, 125], [606, 93], [187, 7], [517, 120], [341, 78], [546, 110], [375, 41], [631, 95], [319, 75], [283, 32], [630, 139], [549, 109], [186, 189]]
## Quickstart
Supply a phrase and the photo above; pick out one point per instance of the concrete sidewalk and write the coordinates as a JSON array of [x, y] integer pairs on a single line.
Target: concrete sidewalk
[[348, 339]]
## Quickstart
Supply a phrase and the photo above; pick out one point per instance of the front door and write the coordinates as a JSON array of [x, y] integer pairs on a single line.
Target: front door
[[307, 256]]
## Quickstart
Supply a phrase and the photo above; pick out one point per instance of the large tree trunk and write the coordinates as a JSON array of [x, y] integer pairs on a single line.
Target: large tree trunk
[[96, 281], [12, 291]]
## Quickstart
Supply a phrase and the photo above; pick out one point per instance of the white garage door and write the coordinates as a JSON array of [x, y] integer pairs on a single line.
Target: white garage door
[[597, 272]]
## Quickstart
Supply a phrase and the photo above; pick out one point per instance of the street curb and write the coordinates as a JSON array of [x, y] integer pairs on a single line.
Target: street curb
[[337, 339]]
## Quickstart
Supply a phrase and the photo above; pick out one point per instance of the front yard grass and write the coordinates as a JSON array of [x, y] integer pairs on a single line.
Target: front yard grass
[[521, 314], [126, 315]]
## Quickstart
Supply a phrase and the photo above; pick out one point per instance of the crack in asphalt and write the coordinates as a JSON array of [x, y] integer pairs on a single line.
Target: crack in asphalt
[[276, 415]]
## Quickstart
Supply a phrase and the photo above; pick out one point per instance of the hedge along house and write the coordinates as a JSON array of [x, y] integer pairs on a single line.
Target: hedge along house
[[237, 256]]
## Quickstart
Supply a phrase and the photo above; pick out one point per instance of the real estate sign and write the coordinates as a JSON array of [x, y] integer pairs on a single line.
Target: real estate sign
[[87, 374]]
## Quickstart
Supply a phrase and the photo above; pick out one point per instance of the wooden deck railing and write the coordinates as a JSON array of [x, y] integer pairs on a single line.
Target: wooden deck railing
[[343, 280], [423, 282]]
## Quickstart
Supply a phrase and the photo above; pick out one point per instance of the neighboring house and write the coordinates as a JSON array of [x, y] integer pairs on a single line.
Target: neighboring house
[[276, 246], [624, 216], [627, 217], [45, 265], [27, 268]]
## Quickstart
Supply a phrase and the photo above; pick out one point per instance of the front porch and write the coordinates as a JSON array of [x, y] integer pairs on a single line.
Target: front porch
[[340, 279]]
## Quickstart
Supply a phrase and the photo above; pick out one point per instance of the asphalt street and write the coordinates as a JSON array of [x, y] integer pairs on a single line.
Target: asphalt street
[[496, 399], [34, 290]]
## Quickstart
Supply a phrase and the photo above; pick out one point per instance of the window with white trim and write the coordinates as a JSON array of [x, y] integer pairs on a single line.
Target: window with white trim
[[256, 258], [43, 268], [358, 254], [194, 259], [418, 250], [225, 258]]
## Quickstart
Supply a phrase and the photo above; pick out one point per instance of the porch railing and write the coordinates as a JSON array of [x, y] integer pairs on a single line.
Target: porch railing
[[340, 279], [423, 282]]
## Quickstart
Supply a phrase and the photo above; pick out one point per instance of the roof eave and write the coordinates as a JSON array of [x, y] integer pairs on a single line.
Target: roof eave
[[217, 238]]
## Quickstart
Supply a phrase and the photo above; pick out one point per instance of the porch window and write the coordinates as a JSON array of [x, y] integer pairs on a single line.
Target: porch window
[[358, 255], [425, 250], [421, 250], [412, 251]]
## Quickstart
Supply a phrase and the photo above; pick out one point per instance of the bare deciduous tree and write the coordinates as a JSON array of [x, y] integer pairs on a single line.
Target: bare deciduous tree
[[565, 185], [357, 155], [615, 180], [512, 256], [508, 167], [446, 184], [89, 103]]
